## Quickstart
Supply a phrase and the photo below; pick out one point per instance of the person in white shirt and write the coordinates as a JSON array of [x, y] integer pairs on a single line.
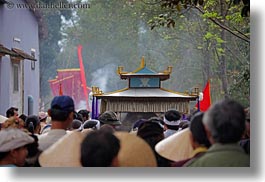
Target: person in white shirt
[[62, 114]]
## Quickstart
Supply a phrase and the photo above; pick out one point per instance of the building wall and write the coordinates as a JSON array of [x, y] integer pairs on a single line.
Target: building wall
[[22, 24]]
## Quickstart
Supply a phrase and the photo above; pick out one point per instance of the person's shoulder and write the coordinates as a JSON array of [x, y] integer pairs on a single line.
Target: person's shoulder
[[221, 159], [43, 137], [193, 162]]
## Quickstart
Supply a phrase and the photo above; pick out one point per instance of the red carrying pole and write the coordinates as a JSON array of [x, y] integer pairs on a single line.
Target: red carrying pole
[[60, 89], [82, 72]]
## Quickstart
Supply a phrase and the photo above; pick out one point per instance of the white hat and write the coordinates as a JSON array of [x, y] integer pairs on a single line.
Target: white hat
[[13, 138], [66, 152], [3, 119], [176, 147], [134, 151]]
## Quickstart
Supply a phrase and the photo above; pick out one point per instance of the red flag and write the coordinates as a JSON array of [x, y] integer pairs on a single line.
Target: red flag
[[206, 101], [82, 72], [60, 89]]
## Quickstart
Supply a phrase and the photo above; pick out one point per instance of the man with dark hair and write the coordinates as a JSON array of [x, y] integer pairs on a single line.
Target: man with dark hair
[[62, 114], [171, 122], [100, 149], [12, 111], [78, 116], [85, 114], [224, 123], [32, 124], [152, 132], [92, 123], [76, 125]]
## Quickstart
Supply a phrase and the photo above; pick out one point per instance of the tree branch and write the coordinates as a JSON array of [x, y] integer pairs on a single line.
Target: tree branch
[[225, 27]]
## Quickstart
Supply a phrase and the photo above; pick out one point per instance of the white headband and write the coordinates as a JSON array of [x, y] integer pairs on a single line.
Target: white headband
[[172, 123]]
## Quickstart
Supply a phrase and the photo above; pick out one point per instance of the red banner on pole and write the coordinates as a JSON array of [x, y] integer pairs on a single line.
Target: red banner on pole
[[206, 101]]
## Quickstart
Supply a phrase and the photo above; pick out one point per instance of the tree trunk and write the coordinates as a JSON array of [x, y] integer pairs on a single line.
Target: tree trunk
[[206, 64], [222, 57]]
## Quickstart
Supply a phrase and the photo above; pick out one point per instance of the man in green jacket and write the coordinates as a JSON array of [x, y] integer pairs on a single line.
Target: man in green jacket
[[225, 124]]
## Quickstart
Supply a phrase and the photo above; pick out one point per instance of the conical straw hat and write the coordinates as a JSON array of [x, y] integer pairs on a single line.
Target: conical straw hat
[[134, 151], [66, 152], [3, 119], [176, 147]]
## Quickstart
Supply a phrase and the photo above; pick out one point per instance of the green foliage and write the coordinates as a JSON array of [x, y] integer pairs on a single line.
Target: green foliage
[[245, 12], [161, 20], [214, 39], [209, 35], [173, 7], [210, 15], [235, 17]]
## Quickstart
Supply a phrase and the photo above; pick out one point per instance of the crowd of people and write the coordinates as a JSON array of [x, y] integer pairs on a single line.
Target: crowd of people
[[63, 137]]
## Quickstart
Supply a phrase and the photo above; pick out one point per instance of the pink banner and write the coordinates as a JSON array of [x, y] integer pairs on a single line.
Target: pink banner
[[70, 80]]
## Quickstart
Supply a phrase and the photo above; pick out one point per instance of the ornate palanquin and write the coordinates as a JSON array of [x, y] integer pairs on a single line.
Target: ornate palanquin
[[144, 93]]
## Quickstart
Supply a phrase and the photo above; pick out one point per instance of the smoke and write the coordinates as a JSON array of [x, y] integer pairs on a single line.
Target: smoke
[[141, 35], [80, 105], [102, 76]]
